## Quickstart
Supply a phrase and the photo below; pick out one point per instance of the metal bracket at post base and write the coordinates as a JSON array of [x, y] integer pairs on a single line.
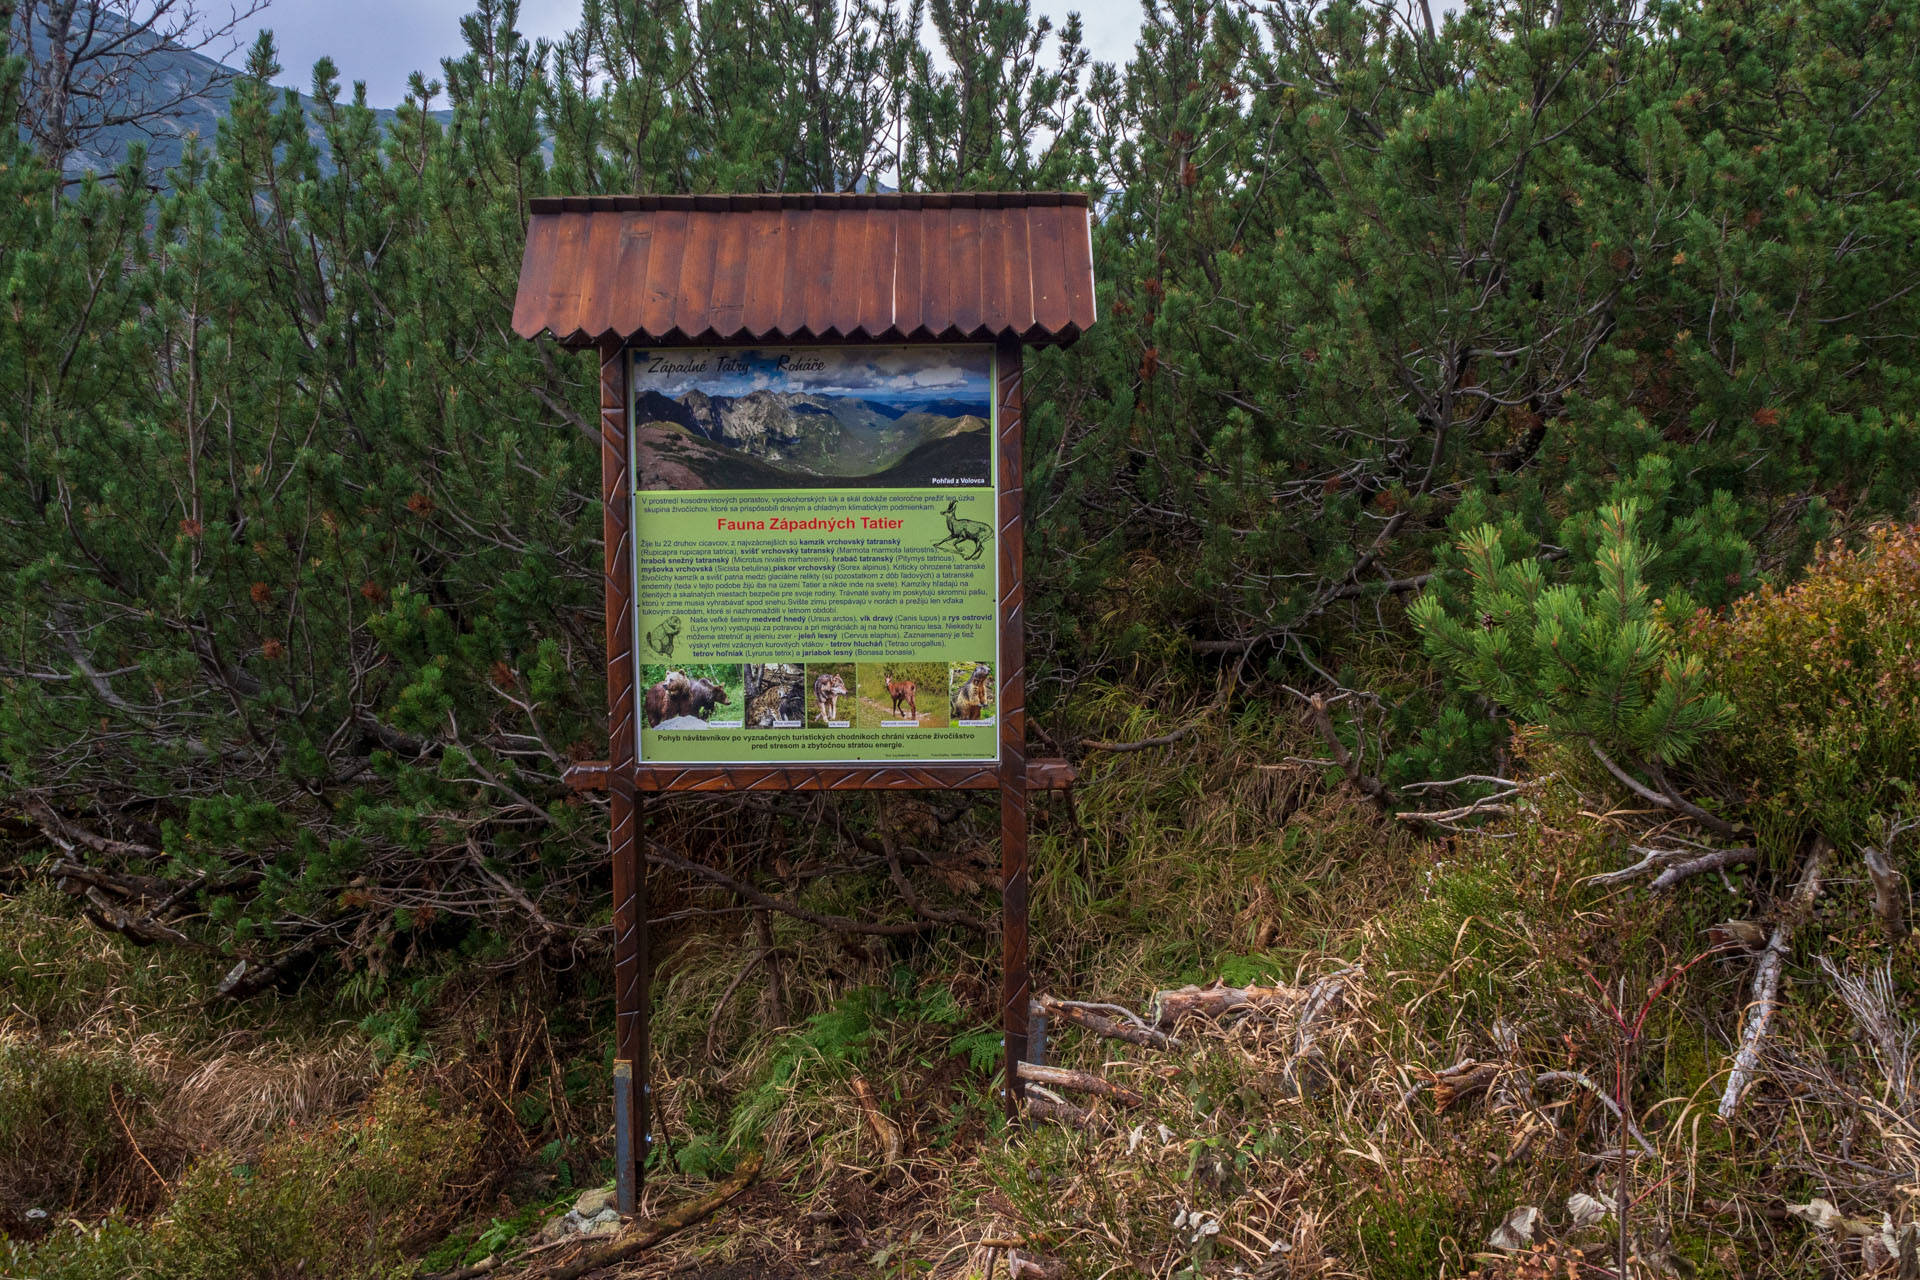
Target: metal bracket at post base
[[630, 1159], [625, 1181]]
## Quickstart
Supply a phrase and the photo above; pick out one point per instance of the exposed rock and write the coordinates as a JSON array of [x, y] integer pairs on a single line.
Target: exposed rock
[[593, 1214], [593, 1202]]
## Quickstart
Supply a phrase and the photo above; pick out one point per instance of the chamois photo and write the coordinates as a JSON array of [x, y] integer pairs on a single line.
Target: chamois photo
[[900, 695]]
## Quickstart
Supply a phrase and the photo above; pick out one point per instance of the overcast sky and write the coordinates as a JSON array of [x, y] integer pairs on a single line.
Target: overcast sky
[[382, 41]]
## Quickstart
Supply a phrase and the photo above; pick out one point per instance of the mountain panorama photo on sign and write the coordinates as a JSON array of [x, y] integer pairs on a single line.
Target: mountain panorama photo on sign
[[848, 417]]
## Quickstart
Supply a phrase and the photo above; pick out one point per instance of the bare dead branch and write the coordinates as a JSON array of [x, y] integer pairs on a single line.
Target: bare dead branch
[[1665, 798], [919, 907], [1087, 1017], [1170, 1008], [892, 1143], [1587, 1082], [1766, 981], [662, 857], [662, 1227], [1164, 740], [1045, 1104], [1368, 785], [1079, 1082], [1675, 865]]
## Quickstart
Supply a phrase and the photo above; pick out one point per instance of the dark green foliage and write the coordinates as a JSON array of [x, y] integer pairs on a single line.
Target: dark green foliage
[[343, 1202], [347, 1200], [1596, 660], [64, 1117], [1365, 283], [300, 545]]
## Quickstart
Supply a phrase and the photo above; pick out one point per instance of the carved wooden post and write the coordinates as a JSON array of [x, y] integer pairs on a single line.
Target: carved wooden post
[[631, 979], [1014, 982]]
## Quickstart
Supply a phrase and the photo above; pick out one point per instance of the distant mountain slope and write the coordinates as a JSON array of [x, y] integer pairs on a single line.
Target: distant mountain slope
[[166, 71], [828, 437], [671, 457]]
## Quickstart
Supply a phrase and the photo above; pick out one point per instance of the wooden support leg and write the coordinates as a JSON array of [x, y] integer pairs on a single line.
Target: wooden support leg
[[632, 1102], [1015, 987], [631, 977]]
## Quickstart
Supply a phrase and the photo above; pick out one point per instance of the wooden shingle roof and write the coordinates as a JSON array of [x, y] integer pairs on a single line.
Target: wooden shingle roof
[[971, 266]]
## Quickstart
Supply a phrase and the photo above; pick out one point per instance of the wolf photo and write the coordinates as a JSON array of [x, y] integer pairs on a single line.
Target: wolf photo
[[776, 695], [699, 695], [901, 695], [972, 692], [813, 418], [829, 690]]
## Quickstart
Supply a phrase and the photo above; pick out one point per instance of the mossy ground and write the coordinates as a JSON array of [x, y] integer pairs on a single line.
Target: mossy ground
[[372, 1124]]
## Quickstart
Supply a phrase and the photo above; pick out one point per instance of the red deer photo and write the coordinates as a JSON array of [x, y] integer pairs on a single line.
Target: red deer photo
[[901, 692]]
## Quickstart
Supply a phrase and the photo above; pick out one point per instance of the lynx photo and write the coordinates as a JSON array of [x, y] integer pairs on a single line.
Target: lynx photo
[[776, 695]]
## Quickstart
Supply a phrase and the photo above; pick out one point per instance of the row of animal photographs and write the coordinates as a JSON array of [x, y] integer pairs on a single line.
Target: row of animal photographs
[[818, 695]]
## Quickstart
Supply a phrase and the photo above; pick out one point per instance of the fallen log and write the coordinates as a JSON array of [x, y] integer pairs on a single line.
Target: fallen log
[[1043, 1104], [1088, 1017], [662, 1227], [1170, 1008], [1080, 1082]]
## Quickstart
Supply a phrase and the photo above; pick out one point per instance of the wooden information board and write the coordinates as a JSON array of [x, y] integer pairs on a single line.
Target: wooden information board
[[810, 428]]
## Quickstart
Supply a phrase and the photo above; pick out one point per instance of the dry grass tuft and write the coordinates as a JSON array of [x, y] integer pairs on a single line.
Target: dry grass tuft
[[232, 1097]]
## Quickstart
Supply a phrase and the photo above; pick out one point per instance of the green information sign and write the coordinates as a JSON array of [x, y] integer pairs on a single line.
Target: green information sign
[[816, 574]]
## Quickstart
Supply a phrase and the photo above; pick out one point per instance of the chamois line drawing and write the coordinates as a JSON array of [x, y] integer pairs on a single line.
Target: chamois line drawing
[[974, 533]]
